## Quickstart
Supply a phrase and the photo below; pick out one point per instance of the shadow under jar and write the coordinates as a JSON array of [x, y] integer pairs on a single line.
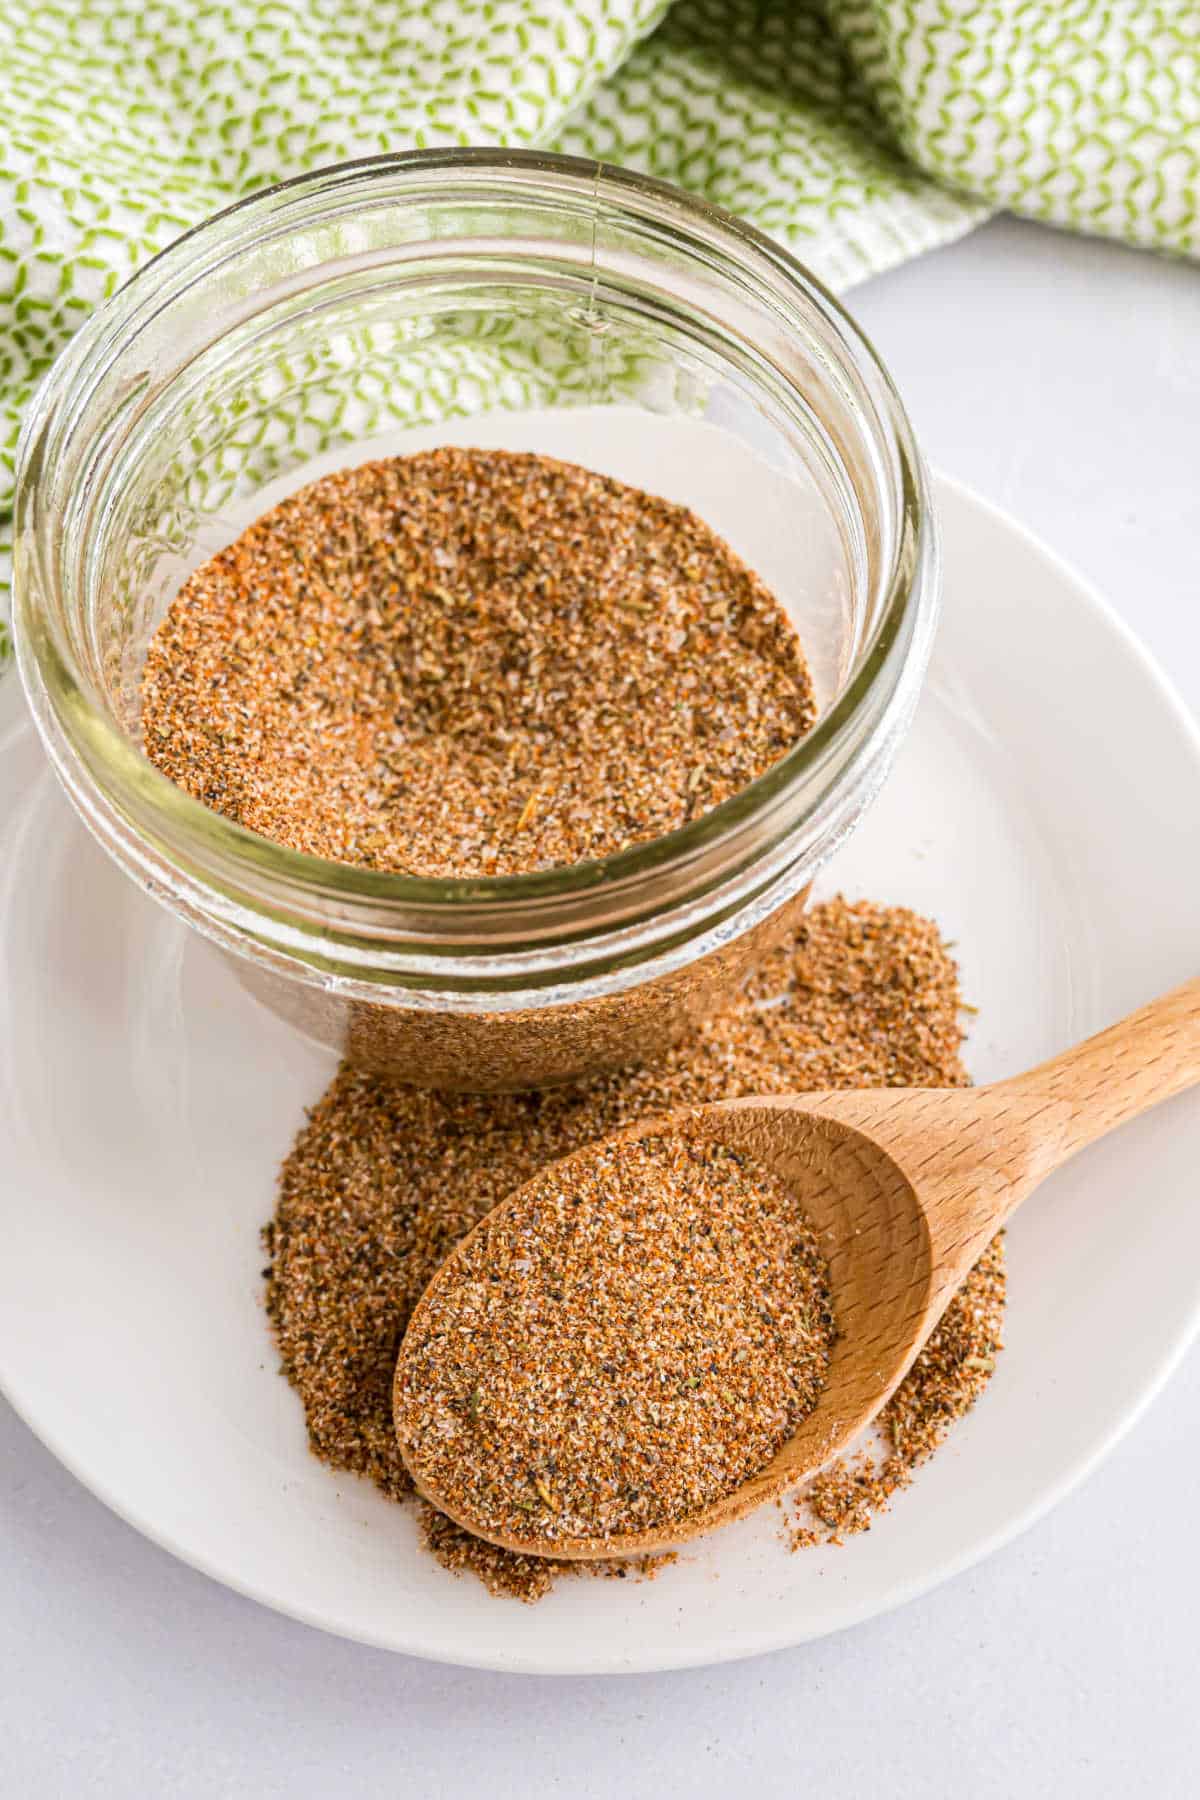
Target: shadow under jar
[[516, 301]]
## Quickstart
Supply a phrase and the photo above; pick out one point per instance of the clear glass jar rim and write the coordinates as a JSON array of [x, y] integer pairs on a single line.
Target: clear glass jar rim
[[615, 187]]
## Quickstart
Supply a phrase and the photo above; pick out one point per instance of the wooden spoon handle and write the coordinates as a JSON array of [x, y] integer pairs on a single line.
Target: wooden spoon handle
[[1121, 1072]]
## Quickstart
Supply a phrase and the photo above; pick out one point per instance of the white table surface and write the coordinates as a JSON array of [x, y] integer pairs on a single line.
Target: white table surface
[[1061, 378]]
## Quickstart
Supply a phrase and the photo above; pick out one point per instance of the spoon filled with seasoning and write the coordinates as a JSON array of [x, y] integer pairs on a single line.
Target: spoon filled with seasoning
[[664, 1330]]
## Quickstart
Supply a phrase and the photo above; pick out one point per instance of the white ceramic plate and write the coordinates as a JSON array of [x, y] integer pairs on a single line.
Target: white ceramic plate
[[1045, 810]]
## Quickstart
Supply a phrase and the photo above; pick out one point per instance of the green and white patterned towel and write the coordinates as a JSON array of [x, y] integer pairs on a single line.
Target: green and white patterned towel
[[857, 131]]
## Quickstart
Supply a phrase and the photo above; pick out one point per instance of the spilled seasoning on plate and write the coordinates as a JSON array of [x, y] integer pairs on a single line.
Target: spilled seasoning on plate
[[511, 1575], [384, 1179], [943, 1384]]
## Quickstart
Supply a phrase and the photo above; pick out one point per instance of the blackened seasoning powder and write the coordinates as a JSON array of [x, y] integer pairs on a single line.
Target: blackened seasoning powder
[[384, 1179], [472, 663]]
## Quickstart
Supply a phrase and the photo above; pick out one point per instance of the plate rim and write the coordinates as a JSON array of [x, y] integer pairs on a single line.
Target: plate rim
[[793, 1634]]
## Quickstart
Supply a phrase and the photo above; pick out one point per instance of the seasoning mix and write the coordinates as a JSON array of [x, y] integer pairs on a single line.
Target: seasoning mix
[[472, 663], [384, 1179], [941, 1387], [619, 1349]]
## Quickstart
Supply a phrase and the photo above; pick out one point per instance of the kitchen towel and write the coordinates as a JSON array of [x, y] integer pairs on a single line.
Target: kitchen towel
[[858, 132]]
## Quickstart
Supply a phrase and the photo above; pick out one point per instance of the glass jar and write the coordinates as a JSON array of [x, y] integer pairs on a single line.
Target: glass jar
[[511, 299]]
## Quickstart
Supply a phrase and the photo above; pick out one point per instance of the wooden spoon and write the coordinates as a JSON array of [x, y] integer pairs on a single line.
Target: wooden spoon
[[905, 1186]]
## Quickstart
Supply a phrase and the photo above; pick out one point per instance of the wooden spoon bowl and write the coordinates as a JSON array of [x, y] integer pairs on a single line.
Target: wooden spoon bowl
[[905, 1188]]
